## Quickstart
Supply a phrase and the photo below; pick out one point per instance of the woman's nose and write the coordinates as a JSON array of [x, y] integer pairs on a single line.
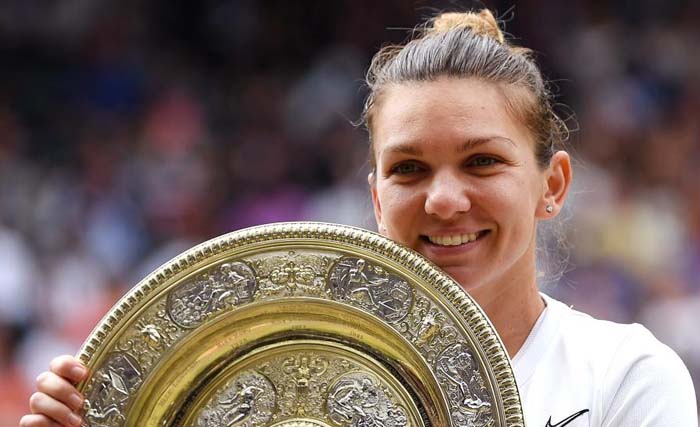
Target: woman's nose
[[447, 196]]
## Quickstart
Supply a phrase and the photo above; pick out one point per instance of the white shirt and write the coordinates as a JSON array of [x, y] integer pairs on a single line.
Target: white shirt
[[581, 371]]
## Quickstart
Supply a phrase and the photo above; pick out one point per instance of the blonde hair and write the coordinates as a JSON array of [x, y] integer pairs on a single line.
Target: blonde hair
[[469, 45], [482, 23]]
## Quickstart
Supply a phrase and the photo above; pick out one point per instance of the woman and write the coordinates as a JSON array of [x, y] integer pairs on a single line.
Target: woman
[[466, 163]]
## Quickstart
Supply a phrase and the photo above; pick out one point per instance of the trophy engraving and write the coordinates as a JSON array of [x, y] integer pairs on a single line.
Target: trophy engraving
[[301, 369], [304, 385], [369, 286], [292, 274], [230, 285], [428, 328], [356, 400], [326, 376], [435, 336], [150, 336], [248, 400], [111, 387], [456, 368], [302, 380]]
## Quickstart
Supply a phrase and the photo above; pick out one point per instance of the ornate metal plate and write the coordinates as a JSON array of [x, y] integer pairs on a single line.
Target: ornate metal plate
[[298, 325]]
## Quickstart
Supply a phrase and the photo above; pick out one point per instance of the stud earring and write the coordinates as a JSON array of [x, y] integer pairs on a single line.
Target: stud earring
[[549, 208]]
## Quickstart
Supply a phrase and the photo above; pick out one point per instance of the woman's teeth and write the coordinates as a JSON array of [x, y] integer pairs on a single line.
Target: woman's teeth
[[457, 239]]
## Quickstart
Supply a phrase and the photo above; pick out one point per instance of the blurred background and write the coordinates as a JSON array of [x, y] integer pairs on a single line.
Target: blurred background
[[132, 130]]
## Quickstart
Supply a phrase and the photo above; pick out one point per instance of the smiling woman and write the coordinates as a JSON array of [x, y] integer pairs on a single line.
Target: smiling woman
[[452, 162], [467, 161]]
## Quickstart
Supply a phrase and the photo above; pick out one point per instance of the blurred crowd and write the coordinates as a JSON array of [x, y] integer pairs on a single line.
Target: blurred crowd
[[132, 130]]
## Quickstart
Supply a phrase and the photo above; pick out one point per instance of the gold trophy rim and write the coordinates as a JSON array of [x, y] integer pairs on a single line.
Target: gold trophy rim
[[471, 316]]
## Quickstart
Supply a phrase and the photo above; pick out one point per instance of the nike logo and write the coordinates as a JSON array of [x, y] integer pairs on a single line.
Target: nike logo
[[566, 420]]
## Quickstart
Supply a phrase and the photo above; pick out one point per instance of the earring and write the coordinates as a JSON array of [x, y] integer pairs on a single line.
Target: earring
[[549, 208]]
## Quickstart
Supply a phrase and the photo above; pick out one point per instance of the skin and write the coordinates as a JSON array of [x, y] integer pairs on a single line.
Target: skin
[[56, 400], [451, 159]]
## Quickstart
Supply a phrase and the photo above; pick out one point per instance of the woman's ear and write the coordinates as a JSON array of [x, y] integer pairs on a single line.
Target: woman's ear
[[557, 183], [372, 180]]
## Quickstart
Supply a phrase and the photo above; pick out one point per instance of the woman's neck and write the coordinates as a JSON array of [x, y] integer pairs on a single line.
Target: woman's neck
[[513, 310]]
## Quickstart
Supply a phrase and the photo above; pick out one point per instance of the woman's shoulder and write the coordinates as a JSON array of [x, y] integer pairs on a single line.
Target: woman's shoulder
[[603, 335], [636, 373], [614, 343]]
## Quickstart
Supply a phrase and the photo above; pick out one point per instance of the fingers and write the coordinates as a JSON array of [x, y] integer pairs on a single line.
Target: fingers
[[59, 389], [56, 398], [48, 409], [68, 367], [35, 420]]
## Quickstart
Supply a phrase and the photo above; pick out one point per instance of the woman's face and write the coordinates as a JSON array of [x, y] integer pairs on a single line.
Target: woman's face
[[457, 180]]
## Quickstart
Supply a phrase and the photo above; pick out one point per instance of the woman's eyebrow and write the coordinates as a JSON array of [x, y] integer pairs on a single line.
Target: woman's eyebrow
[[471, 143], [415, 150], [404, 148]]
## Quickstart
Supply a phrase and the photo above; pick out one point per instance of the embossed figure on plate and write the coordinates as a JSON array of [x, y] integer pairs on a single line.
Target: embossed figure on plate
[[110, 389], [246, 401], [231, 284], [302, 369], [357, 400], [301, 380], [369, 286], [428, 328], [148, 338], [292, 274], [466, 390]]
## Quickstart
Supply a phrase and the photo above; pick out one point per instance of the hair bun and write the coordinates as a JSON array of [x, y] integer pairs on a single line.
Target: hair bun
[[482, 23]]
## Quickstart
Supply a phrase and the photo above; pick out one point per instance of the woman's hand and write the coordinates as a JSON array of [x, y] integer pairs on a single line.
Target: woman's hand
[[56, 400]]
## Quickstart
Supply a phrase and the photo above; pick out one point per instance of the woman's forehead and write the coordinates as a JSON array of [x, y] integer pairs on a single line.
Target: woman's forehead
[[467, 110]]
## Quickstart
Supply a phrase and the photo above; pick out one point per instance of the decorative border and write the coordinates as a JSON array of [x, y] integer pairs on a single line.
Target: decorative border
[[477, 322]]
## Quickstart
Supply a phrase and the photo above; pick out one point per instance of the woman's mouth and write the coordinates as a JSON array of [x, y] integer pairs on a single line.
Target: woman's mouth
[[455, 239]]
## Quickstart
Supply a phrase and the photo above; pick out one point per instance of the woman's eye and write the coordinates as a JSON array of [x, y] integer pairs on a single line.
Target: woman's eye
[[405, 168], [483, 161]]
